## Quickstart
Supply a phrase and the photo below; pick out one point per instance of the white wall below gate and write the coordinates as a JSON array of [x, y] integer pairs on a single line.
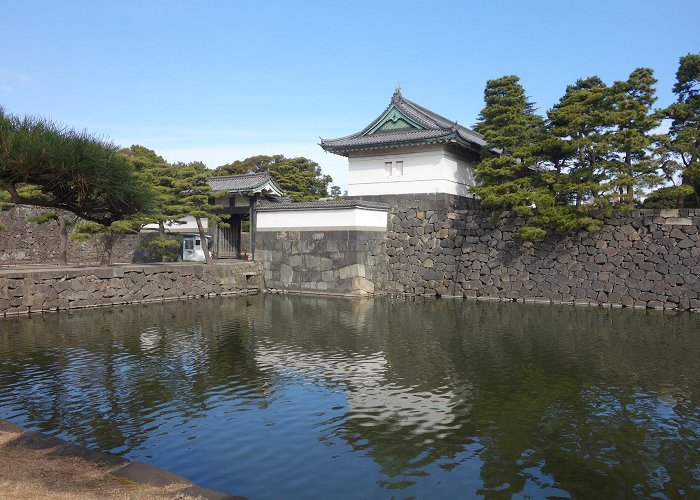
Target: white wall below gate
[[331, 219]]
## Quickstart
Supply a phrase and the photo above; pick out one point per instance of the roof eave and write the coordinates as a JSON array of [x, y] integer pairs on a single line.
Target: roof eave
[[428, 120], [451, 138], [267, 181], [274, 188]]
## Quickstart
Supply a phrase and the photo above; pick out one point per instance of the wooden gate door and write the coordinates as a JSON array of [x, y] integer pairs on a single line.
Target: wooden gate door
[[229, 239]]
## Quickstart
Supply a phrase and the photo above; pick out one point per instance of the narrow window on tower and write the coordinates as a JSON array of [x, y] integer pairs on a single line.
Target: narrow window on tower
[[399, 168], [387, 169]]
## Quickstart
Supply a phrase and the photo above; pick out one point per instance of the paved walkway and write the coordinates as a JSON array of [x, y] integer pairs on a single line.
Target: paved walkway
[[46, 466]]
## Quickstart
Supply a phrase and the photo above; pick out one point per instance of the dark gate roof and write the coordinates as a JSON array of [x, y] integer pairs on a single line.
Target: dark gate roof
[[245, 184], [404, 123]]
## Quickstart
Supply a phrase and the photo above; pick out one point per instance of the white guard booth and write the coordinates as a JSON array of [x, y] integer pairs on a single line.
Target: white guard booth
[[192, 248]]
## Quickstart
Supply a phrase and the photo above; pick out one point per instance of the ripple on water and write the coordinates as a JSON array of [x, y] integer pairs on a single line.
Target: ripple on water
[[299, 397]]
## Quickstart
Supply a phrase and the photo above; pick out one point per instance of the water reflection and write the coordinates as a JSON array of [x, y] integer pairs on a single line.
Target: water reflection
[[266, 395]]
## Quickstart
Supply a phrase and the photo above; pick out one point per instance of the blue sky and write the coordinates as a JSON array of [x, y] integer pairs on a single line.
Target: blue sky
[[221, 80]]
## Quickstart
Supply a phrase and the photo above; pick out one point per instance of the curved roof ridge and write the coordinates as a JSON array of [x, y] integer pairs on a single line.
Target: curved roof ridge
[[433, 126], [238, 176], [239, 183], [448, 123], [364, 130], [435, 118], [416, 112]]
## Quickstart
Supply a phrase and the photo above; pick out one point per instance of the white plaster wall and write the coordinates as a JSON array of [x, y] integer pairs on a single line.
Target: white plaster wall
[[428, 169], [327, 219]]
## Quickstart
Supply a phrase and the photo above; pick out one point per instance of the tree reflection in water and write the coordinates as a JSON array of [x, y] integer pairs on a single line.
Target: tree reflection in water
[[410, 396]]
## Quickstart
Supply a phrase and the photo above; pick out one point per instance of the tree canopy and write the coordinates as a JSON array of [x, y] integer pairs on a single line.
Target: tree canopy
[[684, 133], [511, 170], [168, 186], [165, 180], [510, 126], [300, 178], [197, 196], [181, 190], [598, 148], [577, 123], [631, 119], [48, 165]]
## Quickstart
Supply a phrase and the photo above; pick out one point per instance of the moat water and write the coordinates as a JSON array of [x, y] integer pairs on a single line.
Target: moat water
[[305, 397]]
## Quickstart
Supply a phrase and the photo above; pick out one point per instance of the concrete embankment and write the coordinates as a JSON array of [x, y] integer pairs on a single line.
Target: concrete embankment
[[49, 467], [32, 289]]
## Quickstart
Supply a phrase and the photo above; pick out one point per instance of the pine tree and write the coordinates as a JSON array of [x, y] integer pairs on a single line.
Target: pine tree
[[161, 176], [511, 127], [68, 170], [554, 200], [579, 118], [197, 198], [630, 166], [524, 167], [47, 165], [684, 133]]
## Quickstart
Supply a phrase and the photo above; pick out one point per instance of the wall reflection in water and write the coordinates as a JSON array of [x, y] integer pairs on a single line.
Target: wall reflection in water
[[274, 396]]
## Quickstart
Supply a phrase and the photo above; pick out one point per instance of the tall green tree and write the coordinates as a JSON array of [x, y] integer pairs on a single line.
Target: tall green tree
[[529, 168], [630, 166], [684, 133], [163, 178], [301, 178], [198, 198], [523, 165], [579, 119], [511, 127], [554, 200]]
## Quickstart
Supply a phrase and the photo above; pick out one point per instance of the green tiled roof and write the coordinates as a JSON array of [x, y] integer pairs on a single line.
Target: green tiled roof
[[404, 123], [245, 183]]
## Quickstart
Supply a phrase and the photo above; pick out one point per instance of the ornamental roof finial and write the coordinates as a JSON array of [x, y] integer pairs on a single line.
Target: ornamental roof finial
[[397, 92]]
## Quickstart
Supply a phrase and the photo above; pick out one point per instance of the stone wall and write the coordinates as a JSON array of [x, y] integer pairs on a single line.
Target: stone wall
[[23, 291], [645, 258], [24, 242], [348, 262]]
